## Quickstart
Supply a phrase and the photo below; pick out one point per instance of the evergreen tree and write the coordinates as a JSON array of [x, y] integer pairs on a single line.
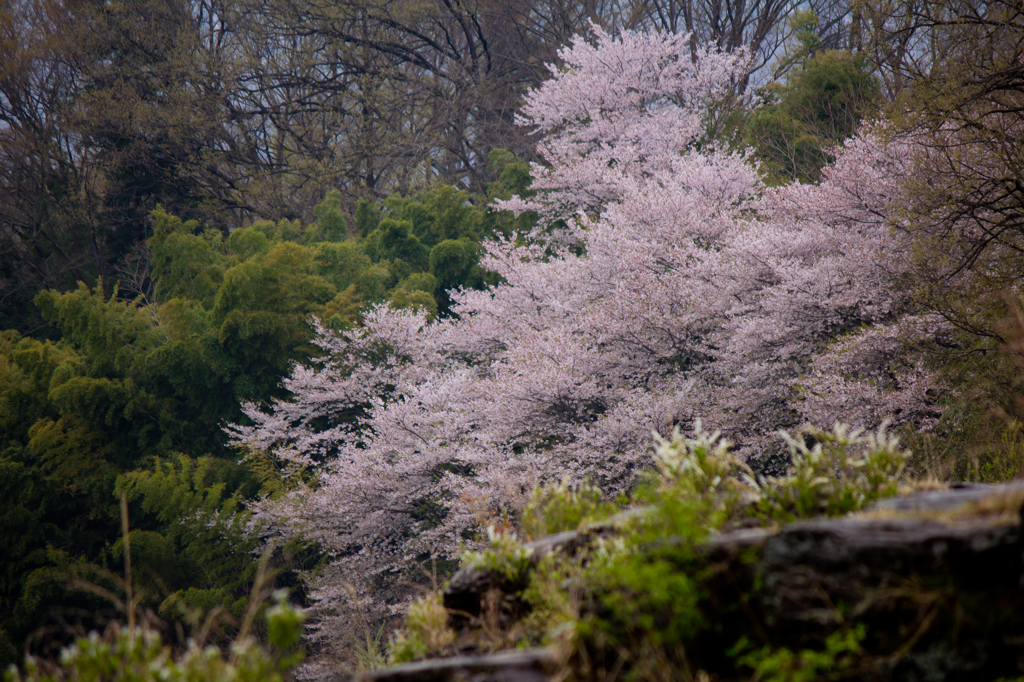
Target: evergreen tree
[[825, 96]]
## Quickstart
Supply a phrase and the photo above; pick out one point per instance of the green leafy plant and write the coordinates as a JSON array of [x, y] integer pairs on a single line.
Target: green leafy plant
[[554, 596], [139, 654], [426, 630], [702, 467], [642, 589], [833, 472], [564, 506], [842, 653], [504, 555]]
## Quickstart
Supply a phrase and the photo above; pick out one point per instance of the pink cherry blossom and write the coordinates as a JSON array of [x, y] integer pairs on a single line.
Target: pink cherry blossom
[[675, 287]]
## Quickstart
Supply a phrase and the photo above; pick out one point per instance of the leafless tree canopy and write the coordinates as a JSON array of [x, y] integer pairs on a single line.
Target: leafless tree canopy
[[227, 110]]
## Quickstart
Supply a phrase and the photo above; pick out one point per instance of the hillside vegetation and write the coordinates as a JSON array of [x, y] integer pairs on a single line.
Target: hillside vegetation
[[363, 288]]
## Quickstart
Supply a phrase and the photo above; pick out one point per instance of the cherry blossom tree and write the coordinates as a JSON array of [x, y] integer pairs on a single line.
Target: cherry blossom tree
[[835, 321], [663, 284], [617, 111]]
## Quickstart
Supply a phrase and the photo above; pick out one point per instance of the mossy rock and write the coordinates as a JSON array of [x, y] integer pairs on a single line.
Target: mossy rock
[[931, 583]]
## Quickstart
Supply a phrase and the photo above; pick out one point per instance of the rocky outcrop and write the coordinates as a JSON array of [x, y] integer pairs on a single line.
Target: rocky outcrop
[[527, 665], [936, 578]]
